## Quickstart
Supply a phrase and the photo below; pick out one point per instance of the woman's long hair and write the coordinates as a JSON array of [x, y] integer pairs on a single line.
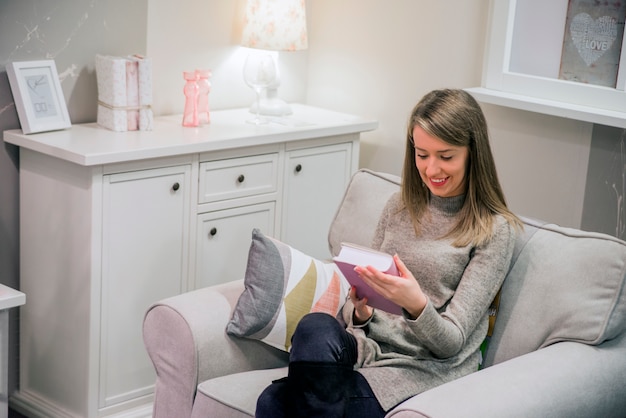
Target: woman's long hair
[[455, 117]]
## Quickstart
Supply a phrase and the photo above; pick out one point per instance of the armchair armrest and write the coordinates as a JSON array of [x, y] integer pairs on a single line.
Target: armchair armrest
[[186, 340], [567, 379]]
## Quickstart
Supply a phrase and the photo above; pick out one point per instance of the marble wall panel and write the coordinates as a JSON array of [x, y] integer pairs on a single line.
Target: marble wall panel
[[70, 32]]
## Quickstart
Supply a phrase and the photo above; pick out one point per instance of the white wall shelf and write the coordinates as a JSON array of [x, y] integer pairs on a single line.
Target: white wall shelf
[[522, 60], [550, 107]]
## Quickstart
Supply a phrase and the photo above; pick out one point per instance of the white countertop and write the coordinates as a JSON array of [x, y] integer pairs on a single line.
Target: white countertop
[[90, 144]]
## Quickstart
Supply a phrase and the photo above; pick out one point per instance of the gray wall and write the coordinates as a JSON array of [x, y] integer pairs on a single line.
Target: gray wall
[[605, 191], [71, 32]]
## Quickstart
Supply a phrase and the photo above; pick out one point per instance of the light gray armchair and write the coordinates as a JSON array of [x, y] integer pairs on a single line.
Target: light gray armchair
[[558, 348]]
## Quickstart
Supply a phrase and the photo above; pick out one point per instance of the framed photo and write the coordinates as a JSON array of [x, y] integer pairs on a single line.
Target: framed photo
[[38, 96]]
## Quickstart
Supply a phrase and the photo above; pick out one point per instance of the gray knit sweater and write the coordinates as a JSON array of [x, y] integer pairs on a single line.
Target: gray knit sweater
[[401, 357]]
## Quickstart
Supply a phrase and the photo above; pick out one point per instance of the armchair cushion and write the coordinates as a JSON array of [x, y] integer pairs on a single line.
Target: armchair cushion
[[234, 395], [565, 285], [567, 379], [357, 216], [282, 285]]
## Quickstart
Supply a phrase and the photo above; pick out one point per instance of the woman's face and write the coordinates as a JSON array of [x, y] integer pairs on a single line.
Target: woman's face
[[442, 166]]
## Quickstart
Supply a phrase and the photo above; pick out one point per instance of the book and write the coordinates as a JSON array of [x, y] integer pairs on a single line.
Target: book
[[592, 43], [124, 92], [352, 255]]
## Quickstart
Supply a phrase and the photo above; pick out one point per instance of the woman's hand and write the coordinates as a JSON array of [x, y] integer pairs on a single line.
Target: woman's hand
[[362, 311], [404, 290]]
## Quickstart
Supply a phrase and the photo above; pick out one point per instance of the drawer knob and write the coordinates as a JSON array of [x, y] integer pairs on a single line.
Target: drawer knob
[[213, 232], [176, 186], [298, 168], [241, 178]]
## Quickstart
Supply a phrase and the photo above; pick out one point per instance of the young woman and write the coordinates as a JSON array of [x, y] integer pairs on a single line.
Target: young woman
[[452, 237]]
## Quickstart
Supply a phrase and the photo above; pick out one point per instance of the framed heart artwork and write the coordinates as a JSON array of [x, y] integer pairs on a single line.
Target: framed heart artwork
[[592, 42]]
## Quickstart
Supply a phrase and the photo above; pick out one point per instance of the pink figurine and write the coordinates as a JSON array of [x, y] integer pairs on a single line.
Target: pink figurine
[[203, 96], [190, 117]]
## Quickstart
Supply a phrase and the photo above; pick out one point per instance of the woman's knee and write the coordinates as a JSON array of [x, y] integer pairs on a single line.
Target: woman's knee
[[273, 400], [320, 337], [313, 323]]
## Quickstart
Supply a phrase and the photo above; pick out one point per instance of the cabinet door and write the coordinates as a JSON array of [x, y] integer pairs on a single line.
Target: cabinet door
[[223, 241], [315, 181], [145, 240]]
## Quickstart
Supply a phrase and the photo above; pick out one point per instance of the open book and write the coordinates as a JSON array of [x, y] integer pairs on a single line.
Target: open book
[[352, 255]]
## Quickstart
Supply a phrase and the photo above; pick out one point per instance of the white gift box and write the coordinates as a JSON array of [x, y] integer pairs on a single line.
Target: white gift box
[[124, 92]]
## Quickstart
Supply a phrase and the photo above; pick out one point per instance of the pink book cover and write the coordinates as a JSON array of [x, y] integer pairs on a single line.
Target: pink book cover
[[144, 77], [132, 95], [352, 255]]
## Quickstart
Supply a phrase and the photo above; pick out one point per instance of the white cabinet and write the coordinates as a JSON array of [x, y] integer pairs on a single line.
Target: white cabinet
[[98, 246], [145, 223], [112, 222]]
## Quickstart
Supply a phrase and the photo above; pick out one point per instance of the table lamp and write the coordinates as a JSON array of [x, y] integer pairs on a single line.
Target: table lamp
[[275, 25]]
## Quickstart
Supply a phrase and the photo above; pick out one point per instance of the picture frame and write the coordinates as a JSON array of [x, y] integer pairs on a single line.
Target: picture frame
[[38, 96]]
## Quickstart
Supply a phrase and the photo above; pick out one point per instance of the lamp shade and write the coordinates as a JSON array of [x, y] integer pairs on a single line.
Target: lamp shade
[[278, 25]]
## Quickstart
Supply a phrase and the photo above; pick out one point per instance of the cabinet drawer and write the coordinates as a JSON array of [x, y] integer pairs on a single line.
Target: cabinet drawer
[[238, 177]]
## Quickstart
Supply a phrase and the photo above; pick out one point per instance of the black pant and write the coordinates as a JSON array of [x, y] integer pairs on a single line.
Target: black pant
[[321, 380]]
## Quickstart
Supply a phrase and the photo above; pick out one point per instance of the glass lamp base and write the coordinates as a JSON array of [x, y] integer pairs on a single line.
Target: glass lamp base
[[272, 105], [258, 121]]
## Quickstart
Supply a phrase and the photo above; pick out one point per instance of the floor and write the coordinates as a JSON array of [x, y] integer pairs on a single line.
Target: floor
[[13, 414]]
